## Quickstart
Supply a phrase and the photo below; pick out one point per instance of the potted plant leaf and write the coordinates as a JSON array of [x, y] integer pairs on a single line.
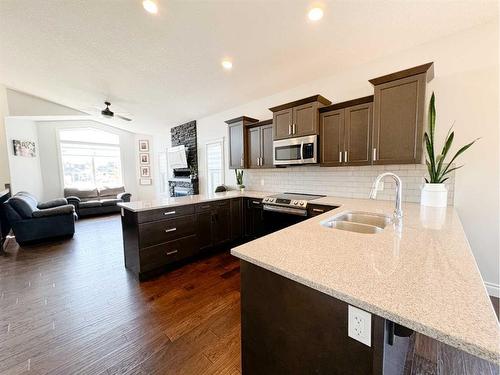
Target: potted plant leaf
[[239, 179], [434, 192]]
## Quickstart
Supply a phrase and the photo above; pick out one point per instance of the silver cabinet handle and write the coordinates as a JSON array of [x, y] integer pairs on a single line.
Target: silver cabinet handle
[[374, 154], [318, 210], [261, 162], [169, 213], [345, 156], [258, 162], [255, 202], [204, 207], [340, 156], [170, 230], [293, 128], [289, 129], [172, 252]]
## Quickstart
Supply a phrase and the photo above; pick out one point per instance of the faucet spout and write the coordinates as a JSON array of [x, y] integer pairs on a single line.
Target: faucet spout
[[398, 212]]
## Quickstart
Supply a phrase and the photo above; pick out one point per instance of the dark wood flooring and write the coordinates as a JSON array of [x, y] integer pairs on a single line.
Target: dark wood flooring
[[70, 307]]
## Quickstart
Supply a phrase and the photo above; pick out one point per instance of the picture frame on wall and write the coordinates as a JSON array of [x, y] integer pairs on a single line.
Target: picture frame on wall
[[145, 181], [144, 145], [24, 148], [145, 171], [144, 158]]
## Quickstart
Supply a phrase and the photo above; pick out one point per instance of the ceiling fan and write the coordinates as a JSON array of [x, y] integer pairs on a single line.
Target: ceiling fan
[[108, 113]]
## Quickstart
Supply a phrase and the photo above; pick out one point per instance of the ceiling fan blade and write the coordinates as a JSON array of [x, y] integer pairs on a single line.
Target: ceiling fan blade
[[123, 117]]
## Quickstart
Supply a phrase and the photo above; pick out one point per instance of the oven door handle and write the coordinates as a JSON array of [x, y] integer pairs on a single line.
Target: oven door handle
[[285, 210], [302, 151]]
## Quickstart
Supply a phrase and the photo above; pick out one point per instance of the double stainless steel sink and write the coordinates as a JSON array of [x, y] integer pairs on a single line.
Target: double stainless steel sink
[[359, 222]]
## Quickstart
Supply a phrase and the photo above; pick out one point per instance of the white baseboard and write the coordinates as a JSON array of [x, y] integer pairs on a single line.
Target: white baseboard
[[493, 289]]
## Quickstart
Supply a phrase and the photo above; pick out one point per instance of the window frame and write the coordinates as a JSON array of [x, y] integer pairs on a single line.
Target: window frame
[[220, 141], [59, 149]]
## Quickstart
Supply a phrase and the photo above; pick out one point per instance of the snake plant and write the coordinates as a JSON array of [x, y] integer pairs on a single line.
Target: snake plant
[[436, 165]]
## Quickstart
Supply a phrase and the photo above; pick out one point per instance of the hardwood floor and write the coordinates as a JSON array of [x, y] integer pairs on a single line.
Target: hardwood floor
[[70, 307]]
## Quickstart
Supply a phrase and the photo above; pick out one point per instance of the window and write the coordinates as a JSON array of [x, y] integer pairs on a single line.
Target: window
[[90, 158], [215, 164]]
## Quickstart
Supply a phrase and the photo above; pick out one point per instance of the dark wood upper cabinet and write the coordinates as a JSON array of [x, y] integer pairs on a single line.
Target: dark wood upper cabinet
[[260, 144], [332, 137], [345, 133], [298, 118], [398, 107], [358, 128], [238, 155]]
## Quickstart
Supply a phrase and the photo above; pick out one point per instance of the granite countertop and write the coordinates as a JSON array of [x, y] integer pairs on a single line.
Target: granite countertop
[[421, 274], [166, 202]]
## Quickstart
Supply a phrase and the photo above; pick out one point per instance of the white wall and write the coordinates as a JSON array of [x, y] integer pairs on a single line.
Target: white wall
[[50, 157], [25, 172], [4, 158], [466, 86]]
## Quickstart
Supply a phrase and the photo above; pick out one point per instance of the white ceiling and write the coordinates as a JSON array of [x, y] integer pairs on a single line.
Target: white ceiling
[[165, 68]]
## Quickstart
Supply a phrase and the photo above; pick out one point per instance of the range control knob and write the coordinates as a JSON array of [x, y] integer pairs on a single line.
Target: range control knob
[[302, 203]]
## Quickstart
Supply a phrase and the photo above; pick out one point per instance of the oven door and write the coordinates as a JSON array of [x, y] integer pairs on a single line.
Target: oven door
[[276, 218], [301, 150]]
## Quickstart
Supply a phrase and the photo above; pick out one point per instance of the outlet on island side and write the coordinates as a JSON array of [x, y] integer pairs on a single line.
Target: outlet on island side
[[359, 325]]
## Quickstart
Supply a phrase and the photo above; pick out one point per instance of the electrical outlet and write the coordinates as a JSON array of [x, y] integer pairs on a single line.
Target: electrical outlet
[[380, 186], [359, 325]]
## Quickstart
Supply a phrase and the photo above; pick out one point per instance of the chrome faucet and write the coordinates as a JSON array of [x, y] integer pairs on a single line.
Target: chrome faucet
[[398, 212]]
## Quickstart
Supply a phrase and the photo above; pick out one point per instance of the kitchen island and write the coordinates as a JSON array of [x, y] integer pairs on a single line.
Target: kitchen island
[[421, 275]]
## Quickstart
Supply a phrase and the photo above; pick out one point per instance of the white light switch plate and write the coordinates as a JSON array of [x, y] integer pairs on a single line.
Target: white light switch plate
[[359, 325]]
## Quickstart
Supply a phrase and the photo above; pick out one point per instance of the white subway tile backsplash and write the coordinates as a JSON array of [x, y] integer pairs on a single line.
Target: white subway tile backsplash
[[351, 182]]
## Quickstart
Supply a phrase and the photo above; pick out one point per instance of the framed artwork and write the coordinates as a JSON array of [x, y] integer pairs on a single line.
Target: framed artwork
[[144, 145], [24, 148], [145, 171], [144, 158], [145, 181]]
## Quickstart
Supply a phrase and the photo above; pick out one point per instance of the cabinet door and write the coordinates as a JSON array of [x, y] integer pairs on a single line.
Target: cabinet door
[[204, 229], [221, 228], [236, 207], [282, 121], [398, 109], [254, 222], [254, 147], [358, 125], [305, 120], [332, 138], [266, 146], [236, 150]]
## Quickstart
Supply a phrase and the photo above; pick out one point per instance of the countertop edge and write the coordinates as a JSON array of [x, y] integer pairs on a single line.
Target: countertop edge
[[470, 348]]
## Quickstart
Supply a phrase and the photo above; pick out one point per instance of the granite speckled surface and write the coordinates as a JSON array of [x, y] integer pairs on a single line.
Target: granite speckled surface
[[421, 275], [165, 202]]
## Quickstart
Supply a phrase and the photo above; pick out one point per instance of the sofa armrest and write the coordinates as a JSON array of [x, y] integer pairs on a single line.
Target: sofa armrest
[[53, 203], [60, 210], [124, 197], [75, 201]]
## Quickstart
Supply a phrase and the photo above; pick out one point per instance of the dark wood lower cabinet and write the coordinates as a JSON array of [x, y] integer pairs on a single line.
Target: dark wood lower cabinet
[[288, 328], [254, 218]]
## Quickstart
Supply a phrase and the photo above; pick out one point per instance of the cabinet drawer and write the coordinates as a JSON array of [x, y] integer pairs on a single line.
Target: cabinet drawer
[[160, 255], [165, 230], [316, 209], [203, 207], [164, 213], [254, 203]]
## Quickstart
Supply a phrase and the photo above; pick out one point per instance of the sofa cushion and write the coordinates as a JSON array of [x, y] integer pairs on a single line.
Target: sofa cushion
[[111, 192], [91, 194], [60, 210], [53, 203], [24, 205], [90, 203], [110, 201]]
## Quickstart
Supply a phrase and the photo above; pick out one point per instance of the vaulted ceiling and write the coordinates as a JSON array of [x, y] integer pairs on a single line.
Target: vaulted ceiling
[[166, 68]]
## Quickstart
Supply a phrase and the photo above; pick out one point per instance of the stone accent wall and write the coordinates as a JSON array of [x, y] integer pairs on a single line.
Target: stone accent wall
[[186, 135], [349, 182]]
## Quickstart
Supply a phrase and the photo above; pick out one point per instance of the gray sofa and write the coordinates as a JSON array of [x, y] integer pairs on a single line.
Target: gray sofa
[[96, 201], [32, 221]]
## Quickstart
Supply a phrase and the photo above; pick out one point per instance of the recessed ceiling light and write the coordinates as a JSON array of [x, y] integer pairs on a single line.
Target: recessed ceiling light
[[227, 64], [150, 6], [315, 14]]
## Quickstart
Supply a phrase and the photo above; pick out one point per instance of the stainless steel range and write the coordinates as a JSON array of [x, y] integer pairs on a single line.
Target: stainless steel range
[[289, 203]]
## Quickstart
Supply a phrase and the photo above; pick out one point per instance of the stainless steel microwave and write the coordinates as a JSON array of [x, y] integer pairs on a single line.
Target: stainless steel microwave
[[301, 150]]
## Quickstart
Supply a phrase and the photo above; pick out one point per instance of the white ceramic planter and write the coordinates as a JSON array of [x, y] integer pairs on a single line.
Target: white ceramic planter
[[434, 195]]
